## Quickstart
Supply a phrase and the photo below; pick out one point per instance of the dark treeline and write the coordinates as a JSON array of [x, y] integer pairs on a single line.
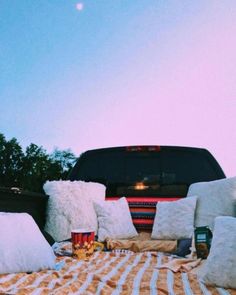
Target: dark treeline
[[30, 169]]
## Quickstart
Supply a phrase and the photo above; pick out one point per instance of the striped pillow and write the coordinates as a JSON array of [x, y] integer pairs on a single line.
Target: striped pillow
[[143, 210]]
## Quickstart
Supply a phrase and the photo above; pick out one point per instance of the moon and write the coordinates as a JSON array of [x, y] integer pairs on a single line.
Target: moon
[[79, 6]]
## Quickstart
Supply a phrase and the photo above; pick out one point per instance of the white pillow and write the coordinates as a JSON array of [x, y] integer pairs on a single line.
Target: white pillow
[[22, 246], [220, 266], [114, 220], [215, 198], [174, 220], [70, 206]]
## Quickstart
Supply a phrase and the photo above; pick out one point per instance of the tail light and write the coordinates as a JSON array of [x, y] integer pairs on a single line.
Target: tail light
[[151, 148]]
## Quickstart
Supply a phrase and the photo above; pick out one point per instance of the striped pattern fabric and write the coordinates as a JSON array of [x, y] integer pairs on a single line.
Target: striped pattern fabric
[[143, 209], [109, 273]]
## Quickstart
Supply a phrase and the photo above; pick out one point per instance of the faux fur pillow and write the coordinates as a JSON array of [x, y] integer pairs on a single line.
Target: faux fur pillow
[[220, 266], [114, 220], [174, 220], [215, 198], [70, 206]]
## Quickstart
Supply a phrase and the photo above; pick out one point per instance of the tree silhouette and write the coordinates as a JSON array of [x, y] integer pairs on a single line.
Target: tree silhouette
[[11, 162], [29, 170], [64, 159]]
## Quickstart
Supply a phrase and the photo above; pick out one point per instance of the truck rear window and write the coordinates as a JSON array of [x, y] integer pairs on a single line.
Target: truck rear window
[[127, 171]]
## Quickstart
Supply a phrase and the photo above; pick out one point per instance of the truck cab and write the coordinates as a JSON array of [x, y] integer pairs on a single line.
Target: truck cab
[[146, 175]]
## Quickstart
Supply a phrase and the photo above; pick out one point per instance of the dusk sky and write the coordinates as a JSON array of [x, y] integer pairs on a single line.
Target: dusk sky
[[91, 74]]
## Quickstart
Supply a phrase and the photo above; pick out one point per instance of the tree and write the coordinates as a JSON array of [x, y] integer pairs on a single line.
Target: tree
[[65, 159], [11, 161], [30, 170], [2, 156], [36, 165]]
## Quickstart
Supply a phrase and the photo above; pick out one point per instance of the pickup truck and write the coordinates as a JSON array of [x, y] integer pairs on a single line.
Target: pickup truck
[[146, 175]]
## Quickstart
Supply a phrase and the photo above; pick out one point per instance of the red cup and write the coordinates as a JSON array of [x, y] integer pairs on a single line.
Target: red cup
[[82, 243]]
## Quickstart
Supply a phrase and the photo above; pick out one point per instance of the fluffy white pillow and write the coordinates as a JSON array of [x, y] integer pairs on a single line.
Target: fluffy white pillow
[[215, 198], [220, 266], [22, 246], [70, 206], [114, 220], [174, 220]]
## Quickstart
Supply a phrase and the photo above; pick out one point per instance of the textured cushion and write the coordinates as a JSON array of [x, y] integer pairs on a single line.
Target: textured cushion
[[220, 266], [70, 206], [22, 246], [215, 198], [114, 220], [174, 220]]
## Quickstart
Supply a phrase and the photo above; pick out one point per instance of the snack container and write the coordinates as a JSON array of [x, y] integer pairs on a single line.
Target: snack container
[[82, 243]]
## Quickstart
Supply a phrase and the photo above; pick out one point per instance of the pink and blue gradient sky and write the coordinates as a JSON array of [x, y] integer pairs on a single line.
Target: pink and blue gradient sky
[[111, 73]]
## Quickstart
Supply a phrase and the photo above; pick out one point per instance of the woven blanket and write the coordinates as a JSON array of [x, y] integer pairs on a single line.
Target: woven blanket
[[108, 273]]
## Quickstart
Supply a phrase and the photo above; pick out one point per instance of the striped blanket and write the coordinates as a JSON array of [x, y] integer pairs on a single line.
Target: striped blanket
[[108, 273]]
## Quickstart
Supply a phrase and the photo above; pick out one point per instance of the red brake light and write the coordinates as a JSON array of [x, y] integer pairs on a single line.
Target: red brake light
[[152, 148]]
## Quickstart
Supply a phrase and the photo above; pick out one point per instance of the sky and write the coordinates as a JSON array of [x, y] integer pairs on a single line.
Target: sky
[[88, 74]]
